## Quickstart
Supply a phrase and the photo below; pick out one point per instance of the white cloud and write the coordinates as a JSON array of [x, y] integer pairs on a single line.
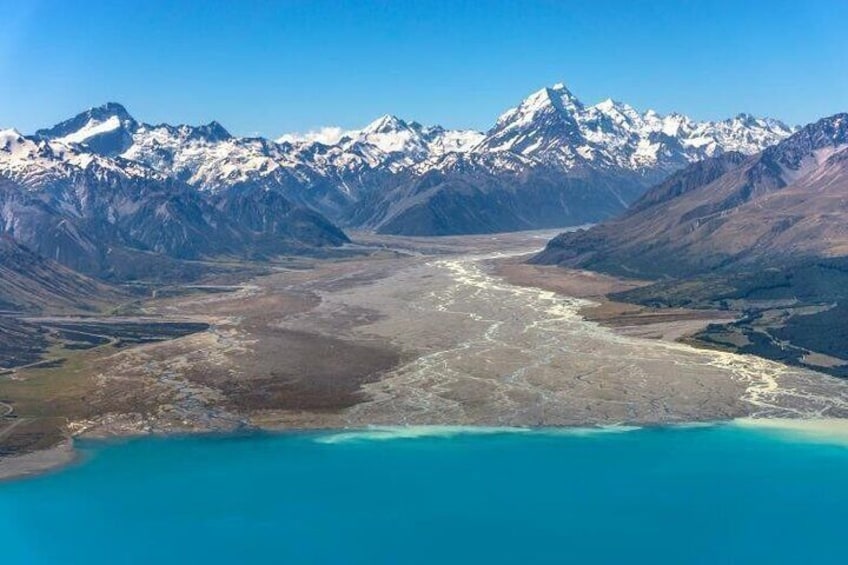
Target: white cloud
[[327, 135]]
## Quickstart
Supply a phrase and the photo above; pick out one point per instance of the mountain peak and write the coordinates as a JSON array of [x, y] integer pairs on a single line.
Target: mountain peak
[[11, 133], [109, 109], [386, 123], [106, 129], [544, 119], [561, 90], [555, 101], [557, 96], [614, 108], [10, 140], [560, 93], [607, 104], [213, 131]]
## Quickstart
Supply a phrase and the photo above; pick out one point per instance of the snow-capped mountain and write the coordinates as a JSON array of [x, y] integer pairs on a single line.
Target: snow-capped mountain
[[782, 206], [36, 163], [552, 160], [328, 178], [106, 130], [391, 134], [109, 215], [554, 127]]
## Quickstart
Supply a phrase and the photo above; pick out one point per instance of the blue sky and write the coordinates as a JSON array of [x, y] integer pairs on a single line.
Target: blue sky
[[273, 67]]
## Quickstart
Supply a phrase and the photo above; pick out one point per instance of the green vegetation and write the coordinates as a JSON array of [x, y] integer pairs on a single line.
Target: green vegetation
[[788, 313]]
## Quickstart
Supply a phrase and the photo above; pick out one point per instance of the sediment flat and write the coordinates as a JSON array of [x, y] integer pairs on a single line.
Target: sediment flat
[[409, 331], [36, 462]]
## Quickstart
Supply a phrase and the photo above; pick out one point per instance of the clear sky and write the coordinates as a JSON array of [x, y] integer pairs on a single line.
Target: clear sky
[[262, 67]]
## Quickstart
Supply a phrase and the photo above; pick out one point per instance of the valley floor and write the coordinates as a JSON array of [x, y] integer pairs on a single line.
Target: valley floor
[[416, 331]]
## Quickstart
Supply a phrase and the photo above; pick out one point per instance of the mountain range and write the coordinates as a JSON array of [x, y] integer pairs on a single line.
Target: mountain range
[[785, 204], [112, 217], [762, 235], [106, 194]]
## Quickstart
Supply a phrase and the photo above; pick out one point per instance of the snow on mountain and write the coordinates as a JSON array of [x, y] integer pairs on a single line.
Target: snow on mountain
[[91, 129], [13, 143], [335, 171], [743, 133], [555, 127], [544, 121], [95, 213], [391, 134], [327, 177], [105, 129], [551, 126], [781, 206], [455, 141], [205, 156], [404, 144], [35, 163]]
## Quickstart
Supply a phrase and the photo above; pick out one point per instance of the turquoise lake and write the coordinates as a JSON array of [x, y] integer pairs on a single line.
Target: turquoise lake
[[719, 494]]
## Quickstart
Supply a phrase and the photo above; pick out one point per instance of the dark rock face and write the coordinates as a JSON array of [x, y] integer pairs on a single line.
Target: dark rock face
[[68, 195], [829, 132], [478, 201], [109, 143], [274, 224], [551, 161], [690, 178], [95, 220]]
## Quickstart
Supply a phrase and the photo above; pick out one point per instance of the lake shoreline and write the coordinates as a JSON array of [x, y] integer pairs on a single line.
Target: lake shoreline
[[832, 431], [463, 335], [34, 463]]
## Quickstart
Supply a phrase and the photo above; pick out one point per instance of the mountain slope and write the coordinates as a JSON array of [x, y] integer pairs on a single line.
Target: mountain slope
[[763, 235], [96, 214], [553, 161], [107, 130], [30, 283], [490, 193], [553, 126], [550, 161], [783, 205], [327, 178]]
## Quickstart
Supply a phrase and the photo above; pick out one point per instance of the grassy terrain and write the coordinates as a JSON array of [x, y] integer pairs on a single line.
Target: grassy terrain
[[58, 382], [796, 314], [43, 401]]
